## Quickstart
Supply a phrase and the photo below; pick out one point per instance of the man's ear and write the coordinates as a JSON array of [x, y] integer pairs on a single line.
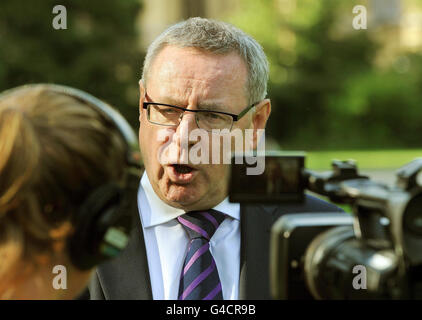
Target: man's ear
[[141, 98], [259, 119]]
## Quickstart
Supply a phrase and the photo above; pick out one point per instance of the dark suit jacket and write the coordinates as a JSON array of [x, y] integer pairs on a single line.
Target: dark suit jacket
[[127, 276]]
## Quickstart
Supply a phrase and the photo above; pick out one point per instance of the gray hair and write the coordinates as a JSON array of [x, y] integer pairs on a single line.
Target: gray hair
[[220, 38]]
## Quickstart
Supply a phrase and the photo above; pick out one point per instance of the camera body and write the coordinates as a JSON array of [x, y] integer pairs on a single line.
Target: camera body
[[374, 253], [290, 238]]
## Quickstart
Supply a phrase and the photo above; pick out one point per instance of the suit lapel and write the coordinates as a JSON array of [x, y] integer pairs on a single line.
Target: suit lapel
[[243, 271], [255, 228]]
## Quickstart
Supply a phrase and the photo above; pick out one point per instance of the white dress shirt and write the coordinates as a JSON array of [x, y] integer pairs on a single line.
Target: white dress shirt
[[166, 244]]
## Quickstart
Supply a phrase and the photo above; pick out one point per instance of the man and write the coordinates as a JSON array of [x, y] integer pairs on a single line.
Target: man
[[209, 75]]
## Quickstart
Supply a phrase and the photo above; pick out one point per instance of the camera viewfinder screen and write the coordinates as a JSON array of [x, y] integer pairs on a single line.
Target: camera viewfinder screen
[[280, 180]]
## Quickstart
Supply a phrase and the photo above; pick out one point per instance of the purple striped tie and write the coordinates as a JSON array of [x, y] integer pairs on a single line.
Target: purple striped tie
[[199, 279]]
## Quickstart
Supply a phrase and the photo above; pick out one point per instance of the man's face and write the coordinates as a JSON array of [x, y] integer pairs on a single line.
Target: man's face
[[193, 79]]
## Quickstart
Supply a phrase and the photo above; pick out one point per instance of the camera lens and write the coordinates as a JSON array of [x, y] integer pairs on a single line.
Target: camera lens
[[324, 269]]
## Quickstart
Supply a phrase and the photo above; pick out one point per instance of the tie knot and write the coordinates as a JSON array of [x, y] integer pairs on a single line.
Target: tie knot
[[201, 224]]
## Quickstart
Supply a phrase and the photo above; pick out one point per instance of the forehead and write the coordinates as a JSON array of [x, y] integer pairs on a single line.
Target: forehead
[[183, 71]]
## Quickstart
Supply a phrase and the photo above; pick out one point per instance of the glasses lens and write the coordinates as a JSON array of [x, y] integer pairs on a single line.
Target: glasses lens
[[213, 120], [163, 115]]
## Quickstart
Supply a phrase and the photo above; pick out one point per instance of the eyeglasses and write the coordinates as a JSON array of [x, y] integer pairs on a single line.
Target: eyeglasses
[[169, 115]]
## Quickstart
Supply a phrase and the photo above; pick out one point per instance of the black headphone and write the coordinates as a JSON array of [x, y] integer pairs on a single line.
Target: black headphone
[[103, 222]]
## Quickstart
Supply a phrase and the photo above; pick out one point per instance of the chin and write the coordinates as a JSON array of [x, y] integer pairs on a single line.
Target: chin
[[181, 196]]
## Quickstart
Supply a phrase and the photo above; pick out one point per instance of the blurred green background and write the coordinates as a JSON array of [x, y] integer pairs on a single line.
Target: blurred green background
[[333, 88], [97, 52]]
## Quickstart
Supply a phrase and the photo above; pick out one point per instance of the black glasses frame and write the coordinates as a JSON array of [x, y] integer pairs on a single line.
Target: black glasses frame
[[236, 117]]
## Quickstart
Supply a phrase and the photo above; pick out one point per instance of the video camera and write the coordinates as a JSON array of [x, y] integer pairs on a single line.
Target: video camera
[[373, 253]]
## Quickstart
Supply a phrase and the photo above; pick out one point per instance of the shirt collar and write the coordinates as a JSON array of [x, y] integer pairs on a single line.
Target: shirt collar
[[160, 212]]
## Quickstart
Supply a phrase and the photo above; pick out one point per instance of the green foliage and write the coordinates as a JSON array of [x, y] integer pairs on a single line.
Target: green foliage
[[382, 107], [326, 91], [96, 53]]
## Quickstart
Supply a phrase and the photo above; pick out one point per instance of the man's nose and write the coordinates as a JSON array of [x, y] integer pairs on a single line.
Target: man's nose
[[186, 125]]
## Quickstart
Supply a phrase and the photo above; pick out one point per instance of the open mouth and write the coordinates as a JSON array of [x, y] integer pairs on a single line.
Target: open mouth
[[181, 173], [181, 168]]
